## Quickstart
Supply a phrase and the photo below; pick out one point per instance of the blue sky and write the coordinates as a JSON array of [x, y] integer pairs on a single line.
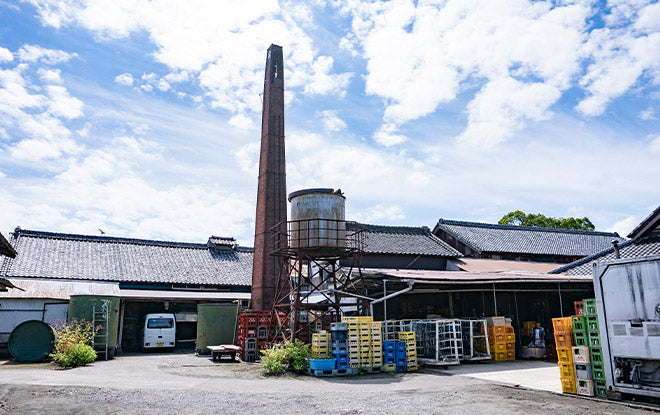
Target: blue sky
[[141, 118]]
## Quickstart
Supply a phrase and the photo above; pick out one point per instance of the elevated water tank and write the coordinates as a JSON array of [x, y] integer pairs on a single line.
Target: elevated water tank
[[317, 219], [31, 341]]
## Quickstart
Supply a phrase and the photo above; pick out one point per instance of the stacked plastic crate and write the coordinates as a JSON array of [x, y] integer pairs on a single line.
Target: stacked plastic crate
[[364, 326], [389, 355], [586, 331], [376, 344], [339, 344], [321, 344], [502, 343], [408, 339], [563, 328], [352, 328]]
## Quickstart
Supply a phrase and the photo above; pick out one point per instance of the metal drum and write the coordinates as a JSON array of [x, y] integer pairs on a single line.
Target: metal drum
[[317, 219]]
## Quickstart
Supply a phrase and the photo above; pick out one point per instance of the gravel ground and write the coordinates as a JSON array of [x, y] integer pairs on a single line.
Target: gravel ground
[[187, 384]]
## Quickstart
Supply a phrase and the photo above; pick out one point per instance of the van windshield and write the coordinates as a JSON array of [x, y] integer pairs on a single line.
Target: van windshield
[[160, 323]]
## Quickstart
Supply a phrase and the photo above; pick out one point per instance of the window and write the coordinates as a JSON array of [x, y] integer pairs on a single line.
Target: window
[[160, 323]]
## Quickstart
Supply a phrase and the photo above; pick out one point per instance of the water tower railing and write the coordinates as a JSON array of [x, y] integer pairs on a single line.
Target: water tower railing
[[326, 235]]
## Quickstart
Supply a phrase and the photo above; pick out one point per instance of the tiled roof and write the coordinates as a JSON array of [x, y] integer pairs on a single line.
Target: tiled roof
[[102, 258], [651, 222], [486, 237], [630, 249], [403, 240]]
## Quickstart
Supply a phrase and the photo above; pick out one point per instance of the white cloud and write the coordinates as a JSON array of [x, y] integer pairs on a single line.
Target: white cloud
[[386, 136], [125, 79], [378, 214], [6, 55], [36, 53], [331, 120], [35, 113], [421, 55], [624, 226], [222, 43], [647, 114], [655, 144], [51, 76]]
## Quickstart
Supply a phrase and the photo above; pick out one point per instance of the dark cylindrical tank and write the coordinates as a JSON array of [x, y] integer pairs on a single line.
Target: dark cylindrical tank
[[31, 341], [216, 325], [81, 306]]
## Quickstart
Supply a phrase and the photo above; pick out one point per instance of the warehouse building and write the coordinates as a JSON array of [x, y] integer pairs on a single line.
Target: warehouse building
[[148, 276]]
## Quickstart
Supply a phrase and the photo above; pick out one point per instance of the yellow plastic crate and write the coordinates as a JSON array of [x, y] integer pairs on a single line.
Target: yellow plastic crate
[[363, 319], [406, 335], [568, 385], [376, 325], [510, 337], [565, 354], [390, 368], [349, 319], [566, 370], [498, 347], [499, 356]]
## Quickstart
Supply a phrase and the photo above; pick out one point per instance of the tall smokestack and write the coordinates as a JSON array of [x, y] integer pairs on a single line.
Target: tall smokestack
[[271, 194]]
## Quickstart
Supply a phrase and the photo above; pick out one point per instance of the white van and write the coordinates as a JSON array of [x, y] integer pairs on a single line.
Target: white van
[[159, 331]]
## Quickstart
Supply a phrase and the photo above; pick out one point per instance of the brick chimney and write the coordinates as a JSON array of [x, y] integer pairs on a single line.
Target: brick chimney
[[271, 193]]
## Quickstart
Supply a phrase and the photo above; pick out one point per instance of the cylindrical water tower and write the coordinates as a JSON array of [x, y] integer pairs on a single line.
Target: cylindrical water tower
[[320, 275], [317, 219]]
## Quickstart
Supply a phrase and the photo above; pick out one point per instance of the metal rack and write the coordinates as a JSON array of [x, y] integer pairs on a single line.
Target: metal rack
[[100, 320], [475, 340], [439, 341]]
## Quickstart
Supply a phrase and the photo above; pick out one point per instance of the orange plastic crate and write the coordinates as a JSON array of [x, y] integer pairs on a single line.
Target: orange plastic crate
[[497, 338], [508, 329], [494, 330], [563, 340], [510, 346], [563, 325], [511, 355]]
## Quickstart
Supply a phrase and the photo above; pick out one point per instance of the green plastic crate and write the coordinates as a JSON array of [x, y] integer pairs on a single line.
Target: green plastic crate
[[580, 339], [579, 324], [600, 388], [594, 339], [596, 355], [592, 324], [590, 307], [598, 371]]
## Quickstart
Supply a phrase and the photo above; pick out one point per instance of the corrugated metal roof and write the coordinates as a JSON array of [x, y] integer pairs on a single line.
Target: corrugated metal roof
[[630, 249], [103, 258], [486, 237], [500, 265], [462, 276], [402, 240]]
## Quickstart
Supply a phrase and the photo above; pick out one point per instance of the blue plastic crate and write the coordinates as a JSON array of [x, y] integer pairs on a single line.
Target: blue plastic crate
[[400, 368], [342, 365], [389, 360], [400, 347], [338, 342], [339, 350], [389, 353], [343, 355], [338, 335], [322, 364], [388, 346]]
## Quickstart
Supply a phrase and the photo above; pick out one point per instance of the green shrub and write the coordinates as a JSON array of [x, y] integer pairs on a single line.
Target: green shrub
[[77, 355], [73, 343], [288, 356]]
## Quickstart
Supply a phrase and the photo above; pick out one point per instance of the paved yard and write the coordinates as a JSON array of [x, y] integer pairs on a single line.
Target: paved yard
[[183, 383]]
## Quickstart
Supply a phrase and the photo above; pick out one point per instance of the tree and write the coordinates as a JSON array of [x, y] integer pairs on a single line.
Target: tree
[[521, 218]]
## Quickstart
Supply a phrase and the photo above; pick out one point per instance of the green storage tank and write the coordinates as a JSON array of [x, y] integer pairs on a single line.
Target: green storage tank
[[81, 306], [31, 341], [216, 324]]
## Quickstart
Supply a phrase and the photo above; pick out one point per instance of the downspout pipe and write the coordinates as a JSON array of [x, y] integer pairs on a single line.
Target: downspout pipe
[[387, 297]]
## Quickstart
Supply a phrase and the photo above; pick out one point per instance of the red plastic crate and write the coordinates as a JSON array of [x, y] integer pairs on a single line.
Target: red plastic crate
[[579, 308]]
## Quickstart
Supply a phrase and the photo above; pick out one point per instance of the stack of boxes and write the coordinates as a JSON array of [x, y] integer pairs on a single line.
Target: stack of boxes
[[410, 362], [256, 331], [590, 377], [563, 328], [321, 345], [339, 344], [361, 342], [502, 343]]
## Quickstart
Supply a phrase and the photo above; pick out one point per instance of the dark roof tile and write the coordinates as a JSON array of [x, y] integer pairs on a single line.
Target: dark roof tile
[[104, 258], [486, 237], [402, 240]]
